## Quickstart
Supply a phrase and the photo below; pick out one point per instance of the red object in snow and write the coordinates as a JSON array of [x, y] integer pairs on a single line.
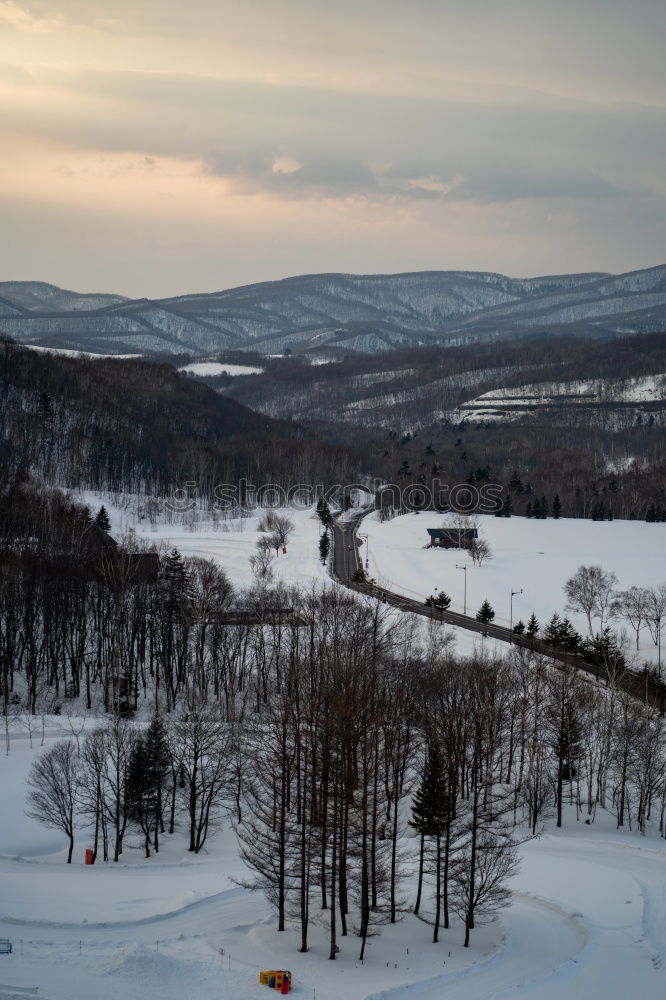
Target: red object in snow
[[285, 987], [89, 857], [284, 550]]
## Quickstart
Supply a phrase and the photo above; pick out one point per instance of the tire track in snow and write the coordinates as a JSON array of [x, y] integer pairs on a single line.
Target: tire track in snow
[[540, 938]]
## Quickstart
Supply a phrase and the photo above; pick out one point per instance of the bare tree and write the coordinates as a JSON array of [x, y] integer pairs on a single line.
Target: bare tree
[[260, 564], [480, 551], [267, 522], [283, 528], [53, 789], [201, 747], [590, 591], [632, 606], [655, 609]]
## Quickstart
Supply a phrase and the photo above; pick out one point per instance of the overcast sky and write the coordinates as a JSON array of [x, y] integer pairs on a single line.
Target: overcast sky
[[153, 147]]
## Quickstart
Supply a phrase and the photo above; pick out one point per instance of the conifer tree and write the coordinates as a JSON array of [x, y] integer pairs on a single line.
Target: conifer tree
[[102, 520], [557, 507], [431, 814], [323, 511], [149, 766], [533, 626], [324, 546], [485, 613], [553, 631]]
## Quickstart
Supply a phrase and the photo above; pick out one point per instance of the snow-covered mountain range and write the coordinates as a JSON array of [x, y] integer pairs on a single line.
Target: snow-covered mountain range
[[339, 312]]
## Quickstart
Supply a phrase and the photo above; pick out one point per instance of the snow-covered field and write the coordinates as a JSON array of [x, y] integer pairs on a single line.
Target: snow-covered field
[[230, 542], [208, 368], [588, 920], [537, 556]]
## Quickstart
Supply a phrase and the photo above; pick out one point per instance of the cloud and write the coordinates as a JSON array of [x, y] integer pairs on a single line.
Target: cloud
[[311, 142], [19, 17], [433, 133]]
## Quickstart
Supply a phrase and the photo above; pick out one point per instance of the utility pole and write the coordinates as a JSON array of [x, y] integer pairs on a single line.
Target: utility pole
[[464, 569], [514, 593]]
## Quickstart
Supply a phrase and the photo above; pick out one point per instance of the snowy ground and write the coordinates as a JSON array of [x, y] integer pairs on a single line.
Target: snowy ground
[[588, 920], [589, 907], [537, 556], [230, 541], [208, 368]]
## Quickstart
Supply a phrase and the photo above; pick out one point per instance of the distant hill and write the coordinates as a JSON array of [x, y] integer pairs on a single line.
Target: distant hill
[[340, 313]]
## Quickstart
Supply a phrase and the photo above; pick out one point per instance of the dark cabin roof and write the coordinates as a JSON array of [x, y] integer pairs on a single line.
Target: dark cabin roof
[[453, 534]]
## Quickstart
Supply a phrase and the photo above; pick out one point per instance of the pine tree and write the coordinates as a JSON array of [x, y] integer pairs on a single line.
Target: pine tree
[[431, 817], [598, 512], [324, 546], [533, 626], [544, 509], [440, 601], [553, 631], [102, 520], [569, 638], [148, 771], [175, 582], [323, 511], [485, 614], [519, 628], [528, 510], [557, 507], [604, 649]]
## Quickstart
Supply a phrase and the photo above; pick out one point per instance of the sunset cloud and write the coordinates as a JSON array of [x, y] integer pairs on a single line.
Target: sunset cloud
[[493, 136]]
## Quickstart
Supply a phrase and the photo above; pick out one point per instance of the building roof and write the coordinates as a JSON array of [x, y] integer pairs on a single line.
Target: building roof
[[454, 534]]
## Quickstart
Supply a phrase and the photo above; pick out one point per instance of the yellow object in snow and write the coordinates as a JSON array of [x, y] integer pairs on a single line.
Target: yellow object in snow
[[276, 979]]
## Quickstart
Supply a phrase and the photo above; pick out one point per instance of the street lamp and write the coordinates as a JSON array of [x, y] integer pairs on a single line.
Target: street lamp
[[657, 622], [514, 593], [464, 569]]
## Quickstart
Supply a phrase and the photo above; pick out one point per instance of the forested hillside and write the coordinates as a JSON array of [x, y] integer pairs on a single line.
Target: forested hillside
[[348, 313], [503, 412], [136, 426]]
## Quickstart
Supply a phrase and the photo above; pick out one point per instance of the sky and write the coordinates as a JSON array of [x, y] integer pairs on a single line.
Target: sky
[[156, 147]]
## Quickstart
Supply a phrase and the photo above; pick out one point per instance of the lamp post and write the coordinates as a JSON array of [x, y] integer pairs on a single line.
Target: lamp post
[[514, 593], [657, 622], [464, 569]]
